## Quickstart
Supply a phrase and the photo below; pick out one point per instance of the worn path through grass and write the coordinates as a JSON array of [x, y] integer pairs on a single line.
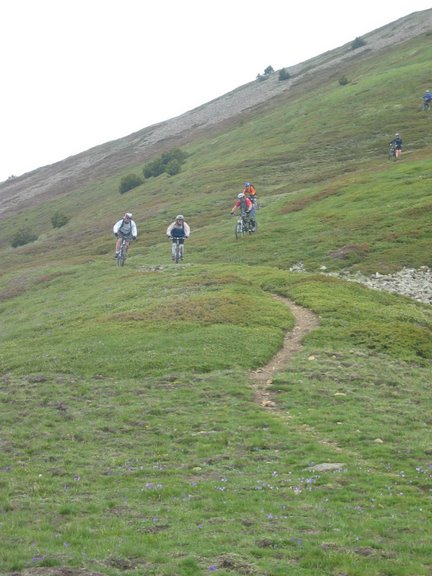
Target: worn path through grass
[[305, 321]]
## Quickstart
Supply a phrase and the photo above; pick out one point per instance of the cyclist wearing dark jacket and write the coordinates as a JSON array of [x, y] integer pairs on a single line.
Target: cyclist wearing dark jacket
[[178, 229], [427, 99], [397, 144]]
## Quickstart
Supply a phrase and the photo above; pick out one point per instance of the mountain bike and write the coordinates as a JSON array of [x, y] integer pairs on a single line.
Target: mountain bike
[[243, 226], [426, 105], [178, 253], [392, 152], [122, 255]]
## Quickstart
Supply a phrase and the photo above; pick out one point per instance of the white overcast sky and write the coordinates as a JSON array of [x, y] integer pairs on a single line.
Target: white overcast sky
[[78, 73]]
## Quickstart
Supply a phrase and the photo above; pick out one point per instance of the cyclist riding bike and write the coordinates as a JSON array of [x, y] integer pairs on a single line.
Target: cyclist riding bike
[[250, 192], [427, 100], [247, 209], [124, 228], [397, 144], [179, 229]]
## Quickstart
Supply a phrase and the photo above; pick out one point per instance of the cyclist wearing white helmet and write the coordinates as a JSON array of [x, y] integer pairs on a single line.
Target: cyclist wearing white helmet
[[124, 228], [247, 209], [178, 229]]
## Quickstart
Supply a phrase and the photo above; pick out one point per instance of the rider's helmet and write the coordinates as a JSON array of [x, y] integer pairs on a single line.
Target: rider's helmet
[[128, 215], [180, 217], [247, 184], [241, 195]]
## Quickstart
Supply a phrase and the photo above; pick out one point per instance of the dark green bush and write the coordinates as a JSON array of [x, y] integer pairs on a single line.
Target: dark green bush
[[22, 237], [173, 168], [261, 77], [175, 154], [58, 219], [284, 74], [357, 43], [343, 81], [169, 162], [130, 181]]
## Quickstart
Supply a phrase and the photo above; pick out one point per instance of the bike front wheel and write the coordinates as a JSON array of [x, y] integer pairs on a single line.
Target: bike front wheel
[[177, 252], [238, 229], [121, 256]]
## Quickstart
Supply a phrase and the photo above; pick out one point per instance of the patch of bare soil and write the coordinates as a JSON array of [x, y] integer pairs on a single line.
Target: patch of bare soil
[[305, 321]]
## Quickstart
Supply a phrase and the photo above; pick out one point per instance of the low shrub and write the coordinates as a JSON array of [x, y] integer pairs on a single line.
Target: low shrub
[[357, 43], [130, 181], [284, 74], [58, 219], [22, 237]]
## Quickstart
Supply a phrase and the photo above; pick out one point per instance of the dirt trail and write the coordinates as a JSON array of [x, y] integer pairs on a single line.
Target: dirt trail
[[305, 321]]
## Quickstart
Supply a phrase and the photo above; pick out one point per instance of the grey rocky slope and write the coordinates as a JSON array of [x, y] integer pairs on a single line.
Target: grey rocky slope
[[411, 282], [415, 283]]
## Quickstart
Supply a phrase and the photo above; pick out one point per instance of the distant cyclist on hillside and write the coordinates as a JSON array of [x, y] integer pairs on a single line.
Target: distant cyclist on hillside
[[397, 145], [427, 99], [124, 228]]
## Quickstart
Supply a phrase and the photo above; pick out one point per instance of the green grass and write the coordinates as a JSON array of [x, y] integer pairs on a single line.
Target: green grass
[[130, 439]]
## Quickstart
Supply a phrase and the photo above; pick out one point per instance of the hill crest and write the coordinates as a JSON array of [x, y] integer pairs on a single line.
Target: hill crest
[[106, 159]]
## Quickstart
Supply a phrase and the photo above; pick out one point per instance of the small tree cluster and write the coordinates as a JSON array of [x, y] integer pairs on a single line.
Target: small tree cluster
[[169, 163], [262, 77], [128, 182], [22, 237], [343, 80], [58, 219], [284, 74], [357, 43], [269, 70]]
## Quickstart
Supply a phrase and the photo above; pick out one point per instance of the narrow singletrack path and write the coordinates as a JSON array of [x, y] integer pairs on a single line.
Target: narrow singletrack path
[[305, 321]]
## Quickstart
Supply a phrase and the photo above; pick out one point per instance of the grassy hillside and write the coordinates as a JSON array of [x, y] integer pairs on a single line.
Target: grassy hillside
[[131, 442]]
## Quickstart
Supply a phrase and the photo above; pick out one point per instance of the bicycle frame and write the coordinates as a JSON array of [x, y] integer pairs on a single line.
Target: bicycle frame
[[122, 255], [392, 152], [242, 226], [179, 248]]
